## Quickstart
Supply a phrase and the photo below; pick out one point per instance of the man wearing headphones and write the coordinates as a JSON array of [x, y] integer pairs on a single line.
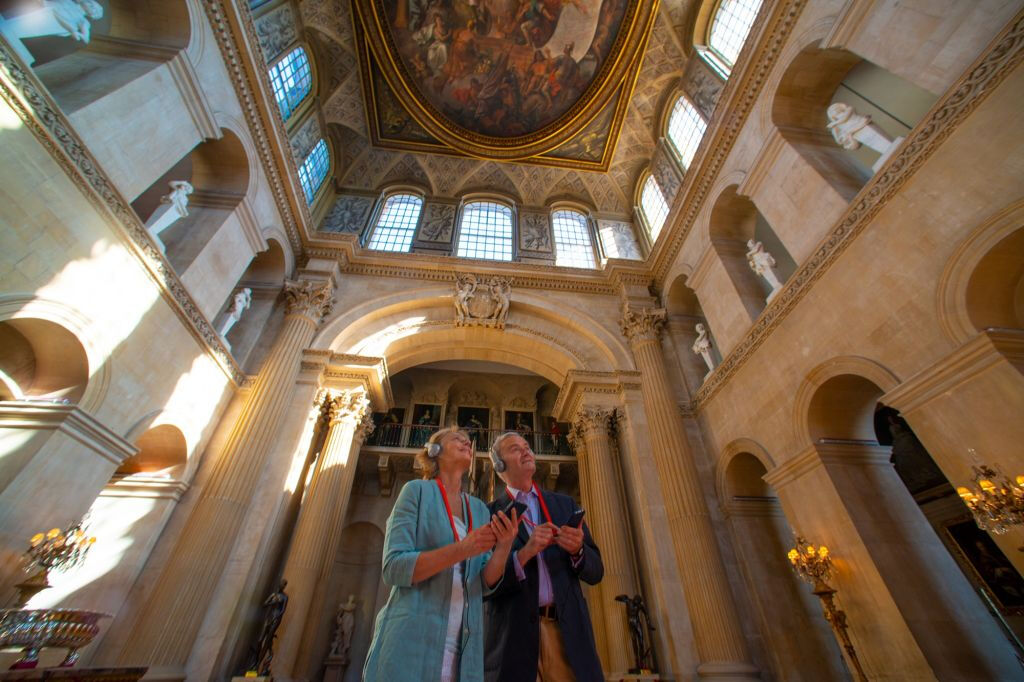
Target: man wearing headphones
[[538, 626]]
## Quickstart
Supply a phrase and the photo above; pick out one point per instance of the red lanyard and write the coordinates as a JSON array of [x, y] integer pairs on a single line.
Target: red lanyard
[[447, 508], [543, 506]]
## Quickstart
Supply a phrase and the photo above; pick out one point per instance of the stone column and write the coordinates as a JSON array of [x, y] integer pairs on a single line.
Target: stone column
[[721, 647], [166, 627], [318, 529], [594, 593], [607, 514]]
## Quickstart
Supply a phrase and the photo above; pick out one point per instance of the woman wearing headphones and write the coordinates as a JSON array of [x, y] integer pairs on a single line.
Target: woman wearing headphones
[[438, 563]]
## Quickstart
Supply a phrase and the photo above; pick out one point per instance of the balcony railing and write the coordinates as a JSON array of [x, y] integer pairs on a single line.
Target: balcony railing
[[395, 435]]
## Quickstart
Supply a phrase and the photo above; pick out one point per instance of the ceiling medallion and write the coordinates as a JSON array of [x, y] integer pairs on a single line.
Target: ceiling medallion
[[506, 79]]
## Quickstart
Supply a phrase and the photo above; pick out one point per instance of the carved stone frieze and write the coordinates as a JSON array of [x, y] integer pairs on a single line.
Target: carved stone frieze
[[479, 303], [594, 420], [309, 298], [642, 324]]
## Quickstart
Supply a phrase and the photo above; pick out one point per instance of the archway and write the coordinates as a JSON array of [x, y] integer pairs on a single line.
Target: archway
[[40, 359]]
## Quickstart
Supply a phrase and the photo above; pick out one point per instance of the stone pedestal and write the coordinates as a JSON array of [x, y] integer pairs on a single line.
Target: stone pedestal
[[721, 646], [166, 627], [334, 668]]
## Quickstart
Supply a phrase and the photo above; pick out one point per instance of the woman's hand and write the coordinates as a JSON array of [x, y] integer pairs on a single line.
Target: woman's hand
[[505, 529], [477, 541]]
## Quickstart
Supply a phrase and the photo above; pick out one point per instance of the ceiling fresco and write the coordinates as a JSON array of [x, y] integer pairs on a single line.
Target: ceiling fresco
[[501, 79]]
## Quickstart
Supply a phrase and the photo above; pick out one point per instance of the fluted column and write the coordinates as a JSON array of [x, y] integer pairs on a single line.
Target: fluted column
[[318, 530], [721, 647], [166, 626], [595, 595], [606, 510]]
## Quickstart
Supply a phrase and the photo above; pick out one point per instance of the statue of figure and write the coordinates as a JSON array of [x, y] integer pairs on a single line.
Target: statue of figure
[[851, 130], [275, 603], [69, 18], [243, 299], [465, 287], [344, 624], [173, 207], [500, 290], [763, 263], [635, 608], [702, 346]]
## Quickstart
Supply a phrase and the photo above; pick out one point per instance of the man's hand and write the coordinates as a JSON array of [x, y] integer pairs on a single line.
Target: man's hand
[[505, 528], [477, 541], [570, 539], [542, 536]]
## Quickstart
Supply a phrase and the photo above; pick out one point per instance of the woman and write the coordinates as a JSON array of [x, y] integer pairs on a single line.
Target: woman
[[438, 563]]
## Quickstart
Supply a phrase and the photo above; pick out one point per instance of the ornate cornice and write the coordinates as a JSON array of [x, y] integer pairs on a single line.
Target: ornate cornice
[[27, 96], [642, 324], [735, 103], [309, 298], [1002, 56], [226, 20], [594, 420]]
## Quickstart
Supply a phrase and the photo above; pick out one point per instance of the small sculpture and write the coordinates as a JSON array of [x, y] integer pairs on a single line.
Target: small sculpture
[[851, 130], [173, 207], [500, 289], [68, 18], [702, 347], [243, 299], [763, 263], [638, 634], [345, 621], [275, 603], [465, 287], [486, 310]]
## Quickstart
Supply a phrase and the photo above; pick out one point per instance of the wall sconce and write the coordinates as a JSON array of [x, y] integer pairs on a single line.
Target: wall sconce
[[814, 565], [996, 502]]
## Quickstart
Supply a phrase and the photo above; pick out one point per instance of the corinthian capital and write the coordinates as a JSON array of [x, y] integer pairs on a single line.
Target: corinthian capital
[[363, 429], [593, 420], [641, 324], [309, 298], [347, 406]]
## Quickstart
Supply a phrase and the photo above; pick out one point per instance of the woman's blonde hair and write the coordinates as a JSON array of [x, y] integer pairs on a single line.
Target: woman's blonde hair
[[430, 466]]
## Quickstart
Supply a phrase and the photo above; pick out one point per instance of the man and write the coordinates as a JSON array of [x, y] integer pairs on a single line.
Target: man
[[538, 626]]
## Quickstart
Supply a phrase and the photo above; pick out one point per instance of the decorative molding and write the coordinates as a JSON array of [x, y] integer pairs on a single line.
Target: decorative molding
[[642, 324], [593, 420], [308, 298], [72, 421], [145, 486], [187, 80], [764, 162], [26, 95], [250, 226], [848, 23], [987, 72]]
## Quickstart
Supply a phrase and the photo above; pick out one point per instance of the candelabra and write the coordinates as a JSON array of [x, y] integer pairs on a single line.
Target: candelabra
[[996, 502], [53, 550], [814, 565]]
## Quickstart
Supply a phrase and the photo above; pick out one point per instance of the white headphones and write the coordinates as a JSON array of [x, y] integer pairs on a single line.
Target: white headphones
[[434, 450], [496, 461]]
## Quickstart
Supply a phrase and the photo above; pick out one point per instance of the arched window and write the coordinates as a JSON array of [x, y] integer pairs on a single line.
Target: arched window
[[573, 246], [397, 223], [729, 28], [654, 206], [291, 80], [314, 169], [685, 129], [486, 231]]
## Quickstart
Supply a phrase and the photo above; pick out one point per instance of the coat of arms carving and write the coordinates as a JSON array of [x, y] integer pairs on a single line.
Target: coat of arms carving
[[479, 303]]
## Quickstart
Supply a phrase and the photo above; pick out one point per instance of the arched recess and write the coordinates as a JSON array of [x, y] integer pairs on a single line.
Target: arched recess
[[734, 224], [889, 546], [982, 285], [264, 279], [162, 451], [219, 172], [684, 314], [132, 38], [817, 78], [762, 535]]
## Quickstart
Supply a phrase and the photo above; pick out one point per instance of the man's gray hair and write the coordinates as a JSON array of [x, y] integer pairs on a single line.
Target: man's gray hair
[[496, 461]]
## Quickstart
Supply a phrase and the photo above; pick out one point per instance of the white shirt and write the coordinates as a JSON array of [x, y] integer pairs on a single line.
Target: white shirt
[[450, 660]]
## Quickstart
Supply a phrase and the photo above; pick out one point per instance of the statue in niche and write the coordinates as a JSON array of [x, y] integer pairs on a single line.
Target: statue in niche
[[173, 207], [702, 347], [344, 624], [763, 263], [489, 309], [275, 604], [69, 18], [242, 301], [636, 614], [850, 130]]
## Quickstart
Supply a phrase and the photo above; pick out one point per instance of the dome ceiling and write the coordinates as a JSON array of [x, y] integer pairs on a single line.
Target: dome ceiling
[[502, 79]]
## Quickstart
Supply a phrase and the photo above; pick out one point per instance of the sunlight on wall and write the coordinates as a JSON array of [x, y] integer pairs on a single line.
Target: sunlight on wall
[[376, 344], [194, 400], [9, 120]]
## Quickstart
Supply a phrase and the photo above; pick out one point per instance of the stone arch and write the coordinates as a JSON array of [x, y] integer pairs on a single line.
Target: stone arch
[[56, 329], [41, 359], [837, 399], [982, 284], [162, 449], [727, 476]]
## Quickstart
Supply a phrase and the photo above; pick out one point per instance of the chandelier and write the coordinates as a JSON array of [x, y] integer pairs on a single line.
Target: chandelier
[[996, 502]]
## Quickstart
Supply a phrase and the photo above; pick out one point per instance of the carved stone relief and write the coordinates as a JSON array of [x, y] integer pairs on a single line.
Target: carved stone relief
[[701, 86], [276, 30], [348, 215], [666, 173], [305, 138], [618, 239], [438, 223], [534, 232], [480, 303]]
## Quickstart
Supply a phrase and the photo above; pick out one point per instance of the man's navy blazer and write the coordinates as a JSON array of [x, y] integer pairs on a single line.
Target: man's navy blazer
[[512, 639]]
